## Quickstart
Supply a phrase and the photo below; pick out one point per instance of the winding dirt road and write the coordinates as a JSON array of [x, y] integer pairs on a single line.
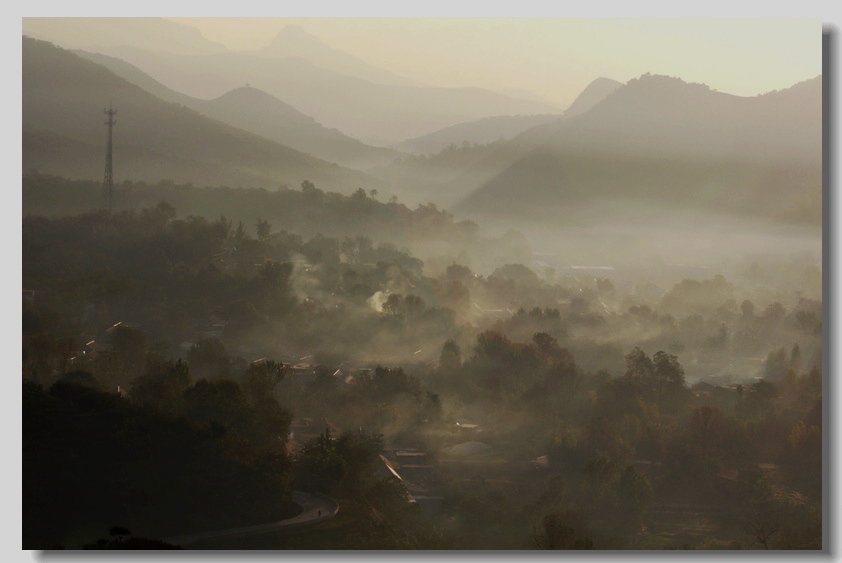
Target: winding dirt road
[[315, 509]]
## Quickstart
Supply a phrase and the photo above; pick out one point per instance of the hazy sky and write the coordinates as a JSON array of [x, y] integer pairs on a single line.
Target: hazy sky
[[556, 57]]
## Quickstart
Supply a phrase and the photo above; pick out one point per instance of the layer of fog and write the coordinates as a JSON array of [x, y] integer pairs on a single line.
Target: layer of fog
[[629, 235]]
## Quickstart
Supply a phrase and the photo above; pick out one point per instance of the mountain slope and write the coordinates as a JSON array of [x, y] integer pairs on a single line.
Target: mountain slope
[[665, 115], [293, 41], [63, 100], [156, 34], [262, 114], [491, 129], [451, 171], [374, 113], [661, 140], [481, 132], [593, 93], [265, 115]]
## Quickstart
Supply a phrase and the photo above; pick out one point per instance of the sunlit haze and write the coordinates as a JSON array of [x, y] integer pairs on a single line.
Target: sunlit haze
[[556, 57], [423, 283], [552, 58]]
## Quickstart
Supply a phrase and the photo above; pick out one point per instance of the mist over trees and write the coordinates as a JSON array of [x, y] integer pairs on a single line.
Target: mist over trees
[[634, 403], [593, 329]]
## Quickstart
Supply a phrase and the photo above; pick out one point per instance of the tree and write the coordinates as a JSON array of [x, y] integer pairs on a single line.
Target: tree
[[563, 375], [774, 313], [359, 196], [322, 465], [221, 228], [264, 229], [616, 397], [670, 388], [162, 386], [388, 382], [208, 358], [607, 445], [458, 272], [633, 495], [240, 233], [777, 364], [808, 321], [639, 365], [795, 357], [129, 351], [413, 305], [80, 377], [360, 453], [159, 215], [431, 410], [764, 522], [393, 307], [697, 296], [119, 531], [241, 317], [705, 429], [547, 345], [747, 309], [454, 295], [803, 464], [668, 369], [451, 356], [261, 379], [357, 249], [221, 400], [494, 345], [562, 530]]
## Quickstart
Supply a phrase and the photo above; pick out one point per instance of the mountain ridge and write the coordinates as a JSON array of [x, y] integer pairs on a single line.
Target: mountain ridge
[[660, 139], [154, 33], [64, 94], [280, 122], [294, 41], [661, 113], [481, 131], [377, 114], [596, 91]]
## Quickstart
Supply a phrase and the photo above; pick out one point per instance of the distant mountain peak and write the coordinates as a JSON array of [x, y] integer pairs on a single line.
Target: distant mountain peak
[[259, 101], [247, 91], [296, 37], [603, 80], [294, 41], [250, 95], [593, 93], [294, 28], [663, 80]]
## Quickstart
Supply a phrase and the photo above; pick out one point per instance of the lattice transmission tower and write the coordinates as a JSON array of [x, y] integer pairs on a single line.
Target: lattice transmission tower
[[108, 181]]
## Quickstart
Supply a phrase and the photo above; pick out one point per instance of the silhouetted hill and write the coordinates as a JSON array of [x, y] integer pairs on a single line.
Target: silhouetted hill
[[448, 170], [372, 112], [659, 139], [63, 100], [266, 115], [481, 132], [137, 77], [294, 41], [448, 176], [156, 34], [262, 114], [665, 115], [593, 93]]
